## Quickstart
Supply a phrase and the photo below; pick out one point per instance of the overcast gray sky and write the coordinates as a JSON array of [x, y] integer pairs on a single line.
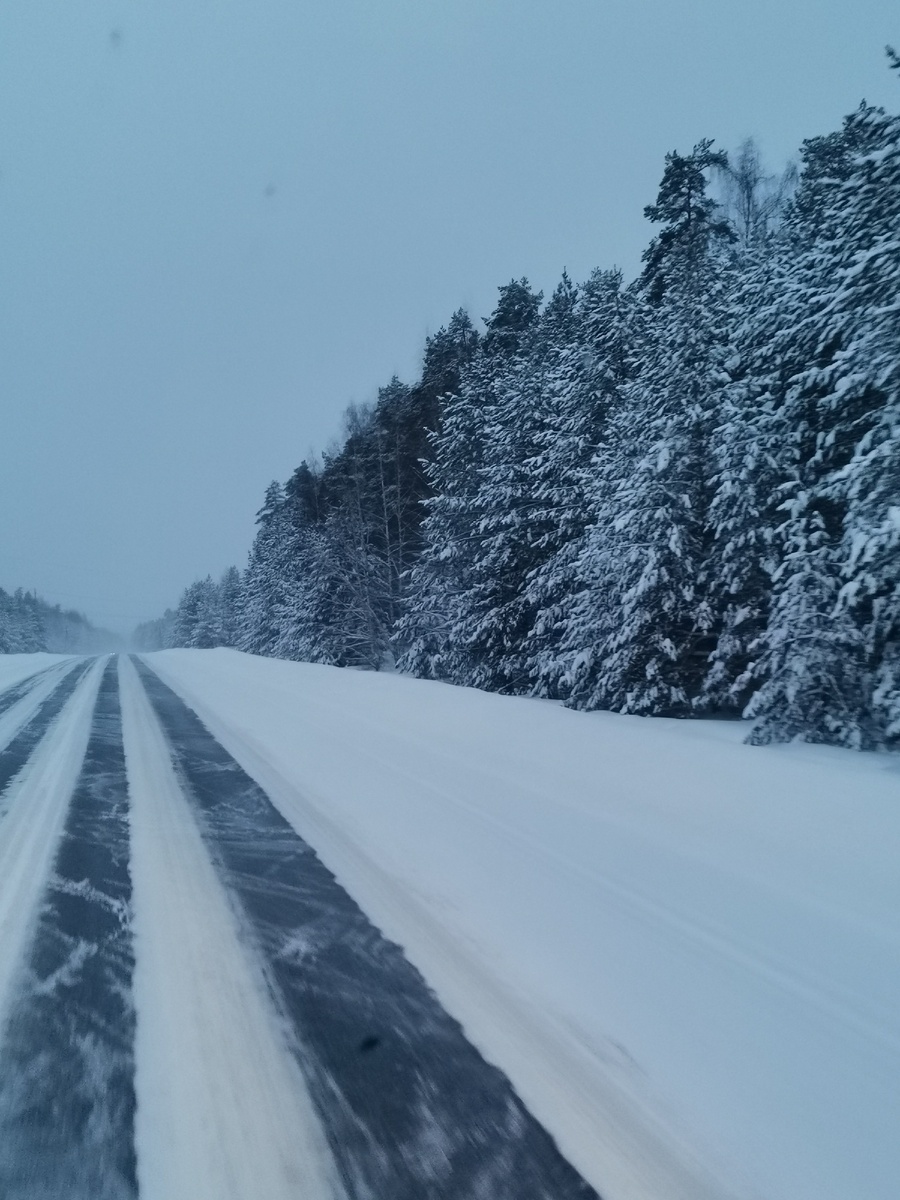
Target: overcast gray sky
[[221, 221]]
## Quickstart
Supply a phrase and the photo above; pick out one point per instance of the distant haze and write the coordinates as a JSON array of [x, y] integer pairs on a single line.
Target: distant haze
[[222, 222]]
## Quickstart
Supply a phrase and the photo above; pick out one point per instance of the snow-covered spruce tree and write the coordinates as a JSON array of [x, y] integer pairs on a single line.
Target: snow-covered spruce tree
[[593, 610], [585, 364], [865, 389], [448, 356], [373, 488], [186, 617], [330, 591], [748, 447], [817, 675], [198, 618], [307, 627], [230, 600], [362, 542], [262, 593], [360, 600], [748, 456], [650, 545], [510, 530], [301, 616], [326, 577], [424, 631], [7, 627], [21, 625], [453, 628]]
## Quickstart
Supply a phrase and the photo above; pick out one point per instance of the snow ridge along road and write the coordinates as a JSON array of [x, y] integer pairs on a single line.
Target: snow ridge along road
[[410, 1108]]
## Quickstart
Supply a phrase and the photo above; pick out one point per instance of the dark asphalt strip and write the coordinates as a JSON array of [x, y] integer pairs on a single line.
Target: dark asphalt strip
[[14, 756], [410, 1108], [67, 1055]]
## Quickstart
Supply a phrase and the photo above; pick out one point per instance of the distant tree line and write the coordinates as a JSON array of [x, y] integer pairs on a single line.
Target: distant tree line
[[676, 497], [29, 625]]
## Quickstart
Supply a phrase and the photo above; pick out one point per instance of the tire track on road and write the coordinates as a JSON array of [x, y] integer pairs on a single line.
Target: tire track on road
[[411, 1109], [27, 707], [223, 1111], [18, 690], [23, 742], [32, 818], [67, 1054]]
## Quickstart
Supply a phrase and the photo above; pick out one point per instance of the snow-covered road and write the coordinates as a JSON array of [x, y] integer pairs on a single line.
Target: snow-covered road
[[191, 1006], [683, 951]]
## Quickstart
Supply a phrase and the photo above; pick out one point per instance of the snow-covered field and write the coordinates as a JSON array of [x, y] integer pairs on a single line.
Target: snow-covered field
[[682, 950]]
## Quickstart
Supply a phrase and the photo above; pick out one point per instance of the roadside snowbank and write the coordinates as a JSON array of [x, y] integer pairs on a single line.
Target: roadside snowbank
[[16, 667], [682, 950]]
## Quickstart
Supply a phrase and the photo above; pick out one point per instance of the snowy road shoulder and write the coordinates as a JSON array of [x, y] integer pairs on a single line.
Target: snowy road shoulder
[[409, 1106], [601, 1121], [706, 931]]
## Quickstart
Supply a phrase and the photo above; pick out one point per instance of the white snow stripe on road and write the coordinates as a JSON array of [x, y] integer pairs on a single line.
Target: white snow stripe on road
[[222, 1108], [35, 812]]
